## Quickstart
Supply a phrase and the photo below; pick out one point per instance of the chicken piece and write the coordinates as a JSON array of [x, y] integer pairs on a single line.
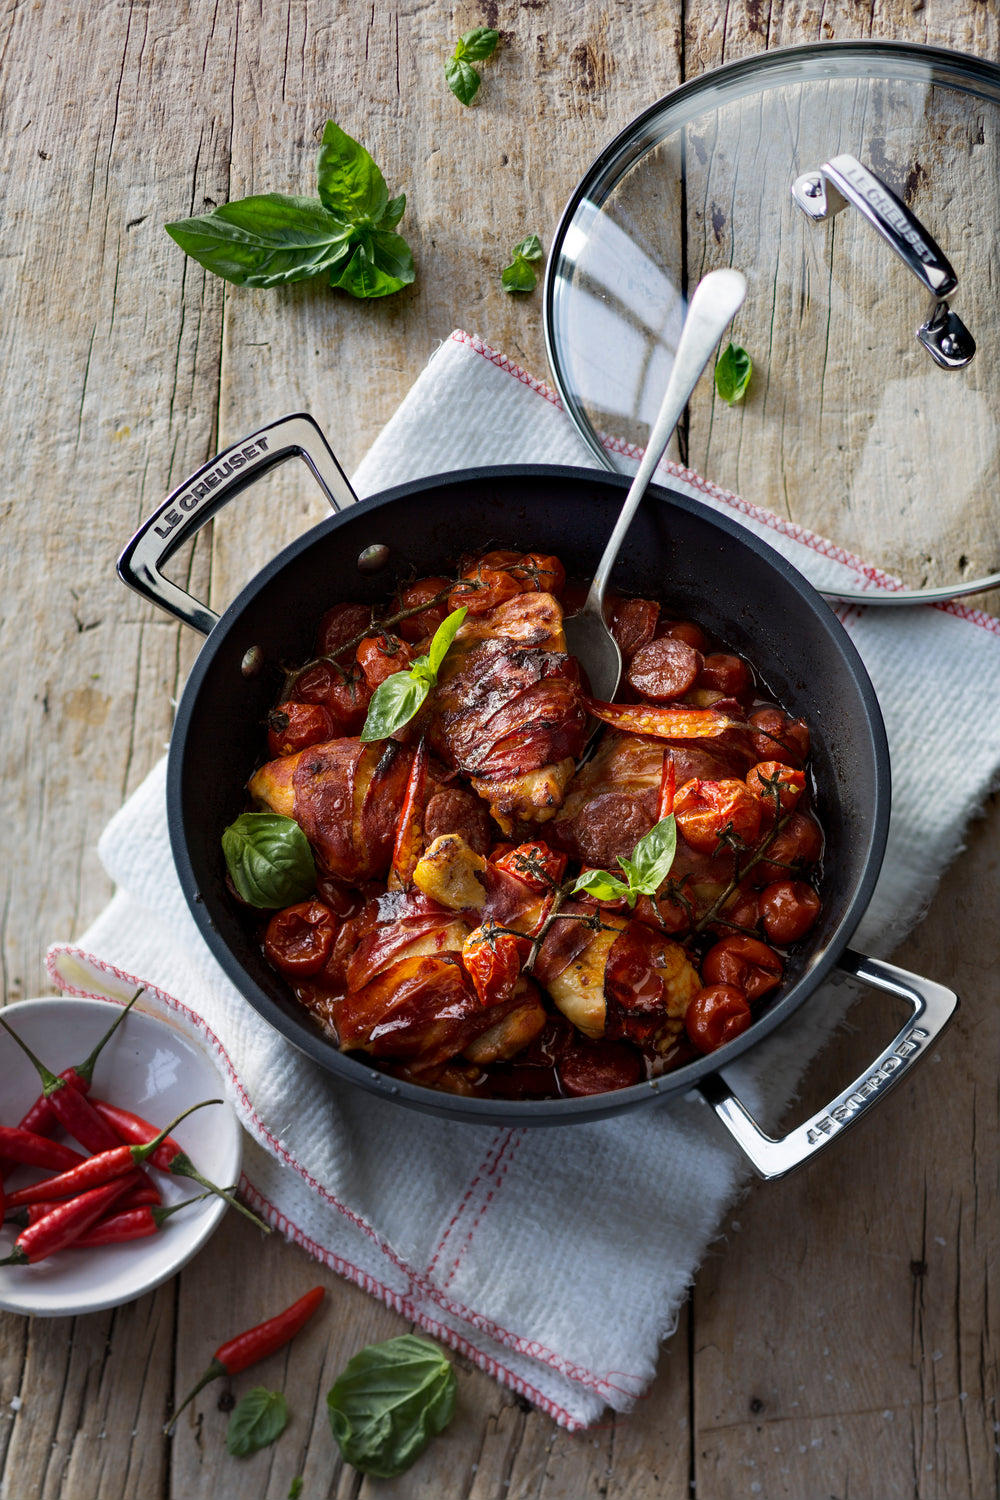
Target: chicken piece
[[449, 873], [517, 1030], [345, 796], [505, 710], [578, 990]]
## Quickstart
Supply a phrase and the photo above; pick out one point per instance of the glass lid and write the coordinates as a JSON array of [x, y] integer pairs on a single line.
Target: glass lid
[[857, 185]]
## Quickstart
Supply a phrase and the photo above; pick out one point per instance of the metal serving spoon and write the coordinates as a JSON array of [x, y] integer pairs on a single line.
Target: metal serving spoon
[[717, 298]]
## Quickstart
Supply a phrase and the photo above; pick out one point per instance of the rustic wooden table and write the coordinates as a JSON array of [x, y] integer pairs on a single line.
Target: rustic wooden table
[[841, 1338]]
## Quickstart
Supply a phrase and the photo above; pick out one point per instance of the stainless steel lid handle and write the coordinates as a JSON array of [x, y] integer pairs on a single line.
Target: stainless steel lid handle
[[842, 181], [933, 1007], [187, 508]]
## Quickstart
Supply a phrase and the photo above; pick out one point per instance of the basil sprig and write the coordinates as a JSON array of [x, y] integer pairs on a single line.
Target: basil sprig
[[733, 369], [347, 232], [269, 860], [391, 1399], [645, 872], [259, 1418], [474, 46], [520, 276], [396, 700]]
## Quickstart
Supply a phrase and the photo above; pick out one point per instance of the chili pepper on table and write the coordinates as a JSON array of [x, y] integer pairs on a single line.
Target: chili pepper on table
[[26, 1148], [41, 1117], [168, 1156], [256, 1343], [66, 1222], [103, 1167]]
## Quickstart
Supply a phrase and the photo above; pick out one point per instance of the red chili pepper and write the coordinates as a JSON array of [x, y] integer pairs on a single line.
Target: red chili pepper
[[31, 1150], [103, 1167], [668, 787], [168, 1156], [257, 1343], [129, 1224], [74, 1113], [41, 1117], [145, 1192], [65, 1223]]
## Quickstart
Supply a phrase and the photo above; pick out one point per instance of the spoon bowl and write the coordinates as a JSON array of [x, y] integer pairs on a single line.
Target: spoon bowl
[[717, 298]]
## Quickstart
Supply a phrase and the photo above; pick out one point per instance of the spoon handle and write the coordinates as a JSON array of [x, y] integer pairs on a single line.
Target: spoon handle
[[717, 298]]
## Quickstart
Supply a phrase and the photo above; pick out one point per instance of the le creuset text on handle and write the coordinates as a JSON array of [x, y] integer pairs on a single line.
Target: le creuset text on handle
[[843, 180], [933, 1007], [188, 508]]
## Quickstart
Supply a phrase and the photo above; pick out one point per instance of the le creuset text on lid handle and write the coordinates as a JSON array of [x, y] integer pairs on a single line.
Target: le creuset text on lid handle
[[843, 181], [187, 508], [933, 1007]]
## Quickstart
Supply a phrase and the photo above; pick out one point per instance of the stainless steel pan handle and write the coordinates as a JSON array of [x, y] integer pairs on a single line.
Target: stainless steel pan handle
[[933, 1007], [187, 508]]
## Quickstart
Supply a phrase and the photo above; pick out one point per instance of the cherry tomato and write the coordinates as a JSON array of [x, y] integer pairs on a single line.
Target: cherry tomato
[[295, 726], [345, 693], [493, 962], [726, 673], [419, 627], [771, 779], [741, 910], [796, 846], [379, 656], [716, 1015], [705, 809], [540, 573], [299, 938], [539, 867], [775, 736], [340, 625], [788, 909], [483, 590], [744, 962]]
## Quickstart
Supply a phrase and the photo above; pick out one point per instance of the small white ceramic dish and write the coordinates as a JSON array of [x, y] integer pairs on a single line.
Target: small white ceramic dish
[[152, 1068]]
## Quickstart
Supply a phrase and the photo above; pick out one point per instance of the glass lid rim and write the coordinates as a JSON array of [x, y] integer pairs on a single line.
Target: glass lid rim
[[954, 67]]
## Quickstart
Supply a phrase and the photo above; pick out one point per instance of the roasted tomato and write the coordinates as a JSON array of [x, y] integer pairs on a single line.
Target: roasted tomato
[[299, 938], [705, 810], [774, 783], [745, 963], [296, 726], [492, 961], [379, 656], [788, 909], [716, 1015], [776, 736], [432, 592]]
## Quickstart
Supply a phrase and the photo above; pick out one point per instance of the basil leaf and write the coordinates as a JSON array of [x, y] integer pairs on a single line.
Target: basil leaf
[[347, 179], [732, 373], [381, 264], [518, 276], [443, 637], [530, 248], [652, 858], [393, 704], [269, 860], [477, 45], [264, 241], [393, 212], [259, 1418], [462, 78], [602, 885], [391, 1399]]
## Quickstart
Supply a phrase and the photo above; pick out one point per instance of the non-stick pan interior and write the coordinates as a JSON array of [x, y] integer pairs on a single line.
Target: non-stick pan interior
[[697, 563]]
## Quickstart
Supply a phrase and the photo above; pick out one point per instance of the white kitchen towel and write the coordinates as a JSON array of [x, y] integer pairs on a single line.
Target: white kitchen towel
[[558, 1258]]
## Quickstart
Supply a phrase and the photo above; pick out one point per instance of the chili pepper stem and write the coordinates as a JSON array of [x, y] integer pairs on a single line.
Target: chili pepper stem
[[140, 1153], [86, 1069], [15, 1258], [50, 1083], [183, 1166], [215, 1369]]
